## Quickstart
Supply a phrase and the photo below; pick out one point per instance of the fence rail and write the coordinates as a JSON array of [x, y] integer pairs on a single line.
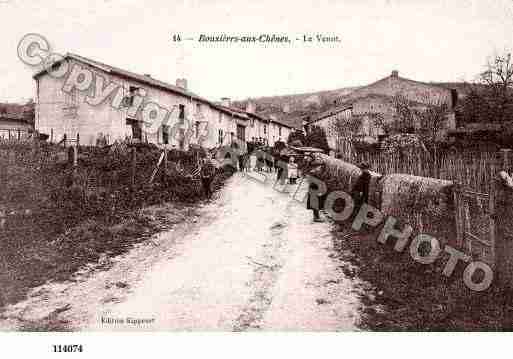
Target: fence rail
[[471, 169], [15, 134]]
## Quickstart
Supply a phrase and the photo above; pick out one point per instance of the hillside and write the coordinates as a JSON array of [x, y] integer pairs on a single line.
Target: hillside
[[298, 103]]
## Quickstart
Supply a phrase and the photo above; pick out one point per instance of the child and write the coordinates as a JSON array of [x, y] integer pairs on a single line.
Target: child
[[315, 169], [292, 171], [207, 174]]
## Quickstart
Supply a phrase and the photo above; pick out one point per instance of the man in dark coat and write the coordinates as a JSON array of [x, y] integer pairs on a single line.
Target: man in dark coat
[[315, 169], [361, 187], [207, 173], [282, 162]]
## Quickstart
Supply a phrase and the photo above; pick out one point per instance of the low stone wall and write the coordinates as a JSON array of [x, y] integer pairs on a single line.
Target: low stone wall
[[342, 175], [346, 173], [424, 203]]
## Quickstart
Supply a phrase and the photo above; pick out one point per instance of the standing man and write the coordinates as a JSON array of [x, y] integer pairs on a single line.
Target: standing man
[[207, 173], [361, 187], [242, 161], [315, 169]]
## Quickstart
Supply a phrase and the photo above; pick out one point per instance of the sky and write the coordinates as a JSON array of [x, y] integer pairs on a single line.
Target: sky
[[431, 40]]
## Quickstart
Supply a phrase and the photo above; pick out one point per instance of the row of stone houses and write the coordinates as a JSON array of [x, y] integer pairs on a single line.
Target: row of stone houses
[[67, 108], [374, 106], [16, 121]]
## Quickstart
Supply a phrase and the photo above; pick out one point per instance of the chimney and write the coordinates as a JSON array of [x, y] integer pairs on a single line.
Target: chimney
[[182, 83], [250, 107], [286, 108], [225, 101], [395, 74], [147, 75]]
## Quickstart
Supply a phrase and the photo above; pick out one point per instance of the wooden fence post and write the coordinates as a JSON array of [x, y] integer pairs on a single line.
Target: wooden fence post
[[165, 160], [133, 168], [491, 226], [457, 214], [503, 269], [506, 158]]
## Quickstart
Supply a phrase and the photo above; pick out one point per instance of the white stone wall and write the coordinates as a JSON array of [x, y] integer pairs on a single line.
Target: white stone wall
[[59, 113], [327, 123], [54, 113]]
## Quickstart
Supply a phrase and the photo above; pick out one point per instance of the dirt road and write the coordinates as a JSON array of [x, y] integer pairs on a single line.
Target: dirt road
[[252, 260]]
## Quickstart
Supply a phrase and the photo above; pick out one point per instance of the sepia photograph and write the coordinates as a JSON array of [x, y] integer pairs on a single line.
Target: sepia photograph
[[227, 166]]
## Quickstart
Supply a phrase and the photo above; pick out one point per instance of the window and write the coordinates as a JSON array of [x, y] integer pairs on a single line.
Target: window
[[181, 141], [220, 117], [265, 129], [279, 131], [132, 92], [56, 66], [198, 108], [196, 128], [220, 137], [165, 134], [241, 132], [181, 113], [136, 128], [70, 99]]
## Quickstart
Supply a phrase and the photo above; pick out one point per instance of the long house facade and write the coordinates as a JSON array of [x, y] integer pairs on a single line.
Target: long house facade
[[99, 103]]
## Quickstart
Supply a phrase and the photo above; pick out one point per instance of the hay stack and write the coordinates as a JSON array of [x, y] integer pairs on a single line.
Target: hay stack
[[346, 174], [425, 203]]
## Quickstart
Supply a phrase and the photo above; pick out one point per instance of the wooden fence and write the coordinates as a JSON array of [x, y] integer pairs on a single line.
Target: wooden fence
[[471, 169]]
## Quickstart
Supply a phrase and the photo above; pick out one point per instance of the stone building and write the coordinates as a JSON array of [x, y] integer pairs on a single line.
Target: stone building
[[373, 106], [328, 121], [100, 102]]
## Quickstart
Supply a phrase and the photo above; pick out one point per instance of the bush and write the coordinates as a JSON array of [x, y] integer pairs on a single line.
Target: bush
[[316, 137]]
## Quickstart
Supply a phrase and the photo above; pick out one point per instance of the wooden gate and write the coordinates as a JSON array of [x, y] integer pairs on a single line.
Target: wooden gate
[[475, 225]]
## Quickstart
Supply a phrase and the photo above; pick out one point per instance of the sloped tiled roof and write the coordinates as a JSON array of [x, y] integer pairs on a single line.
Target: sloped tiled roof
[[291, 120], [17, 112], [331, 112], [128, 74], [150, 81]]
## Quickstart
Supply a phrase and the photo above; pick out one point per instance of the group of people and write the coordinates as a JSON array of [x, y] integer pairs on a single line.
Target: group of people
[[290, 173], [262, 161]]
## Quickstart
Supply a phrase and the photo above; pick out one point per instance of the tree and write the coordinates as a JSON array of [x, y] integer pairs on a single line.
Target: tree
[[498, 77], [425, 121], [405, 115], [490, 98], [344, 129], [316, 137], [296, 135]]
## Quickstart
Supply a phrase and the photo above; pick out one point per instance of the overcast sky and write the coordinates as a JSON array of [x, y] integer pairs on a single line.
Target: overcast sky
[[431, 40]]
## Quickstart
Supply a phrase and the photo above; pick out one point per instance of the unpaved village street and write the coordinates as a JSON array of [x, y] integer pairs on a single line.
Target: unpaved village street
[[252, 259]]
